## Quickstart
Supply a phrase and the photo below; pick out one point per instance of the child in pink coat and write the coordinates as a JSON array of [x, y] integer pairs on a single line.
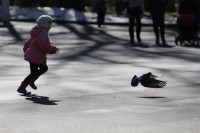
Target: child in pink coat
[[35, 50]]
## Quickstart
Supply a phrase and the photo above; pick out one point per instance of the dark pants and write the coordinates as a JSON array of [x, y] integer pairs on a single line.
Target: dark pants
[[132, 21], [158, 25], [100, 18], [36, 70]]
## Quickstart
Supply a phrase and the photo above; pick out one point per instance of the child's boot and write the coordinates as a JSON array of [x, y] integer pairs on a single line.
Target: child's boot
[[22, 89], [32, 84]]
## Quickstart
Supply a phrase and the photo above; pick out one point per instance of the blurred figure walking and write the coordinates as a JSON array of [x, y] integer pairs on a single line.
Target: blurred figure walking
[[100, 8], [157, 10], [135, 12]]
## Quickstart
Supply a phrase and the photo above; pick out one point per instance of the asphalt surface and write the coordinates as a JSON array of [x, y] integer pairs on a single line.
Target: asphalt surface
[[87, 87]]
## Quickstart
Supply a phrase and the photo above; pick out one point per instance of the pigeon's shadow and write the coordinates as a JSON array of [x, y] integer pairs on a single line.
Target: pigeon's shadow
[[152, 97], [42, 100]]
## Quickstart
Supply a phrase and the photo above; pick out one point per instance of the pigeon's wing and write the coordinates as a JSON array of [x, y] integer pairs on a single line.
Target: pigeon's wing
[[149, 80]]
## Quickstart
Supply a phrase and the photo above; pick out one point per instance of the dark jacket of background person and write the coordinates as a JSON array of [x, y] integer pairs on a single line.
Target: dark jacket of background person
[[157, 6], [134, 7], [189, 6], [100, 5]]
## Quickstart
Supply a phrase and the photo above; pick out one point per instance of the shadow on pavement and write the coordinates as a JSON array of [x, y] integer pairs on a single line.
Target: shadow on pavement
[[152, 97], [100, 41], [42, 100], [141, 45], [191, 46], [13, 31]]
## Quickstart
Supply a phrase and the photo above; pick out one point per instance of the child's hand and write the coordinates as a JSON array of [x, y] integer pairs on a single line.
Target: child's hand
[[57, 50]]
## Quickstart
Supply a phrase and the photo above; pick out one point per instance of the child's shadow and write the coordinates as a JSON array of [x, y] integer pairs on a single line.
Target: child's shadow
[[42, 100]]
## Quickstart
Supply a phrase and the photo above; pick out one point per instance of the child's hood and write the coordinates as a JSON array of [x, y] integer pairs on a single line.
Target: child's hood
[[35, 31]]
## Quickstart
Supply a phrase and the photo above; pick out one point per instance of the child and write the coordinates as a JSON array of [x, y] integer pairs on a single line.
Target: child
[[35, 50]]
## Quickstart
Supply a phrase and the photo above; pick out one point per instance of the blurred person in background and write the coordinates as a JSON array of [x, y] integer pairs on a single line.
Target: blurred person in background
[[100, 8], [157, 10], [135, 11]]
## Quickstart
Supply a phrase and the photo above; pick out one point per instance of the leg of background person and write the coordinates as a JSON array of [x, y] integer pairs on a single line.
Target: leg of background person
[[162, 28], [138, 28], [103, 17], [131, 29], [155, 19], [99, 19]]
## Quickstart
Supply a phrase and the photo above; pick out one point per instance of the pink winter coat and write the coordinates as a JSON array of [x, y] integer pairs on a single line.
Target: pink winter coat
[[38, 46]]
